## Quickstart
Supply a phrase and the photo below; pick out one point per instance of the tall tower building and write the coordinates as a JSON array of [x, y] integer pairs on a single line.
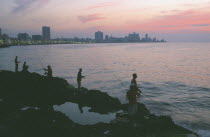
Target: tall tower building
[[146, 37], [99, 36], [45, 33], [0, 32]]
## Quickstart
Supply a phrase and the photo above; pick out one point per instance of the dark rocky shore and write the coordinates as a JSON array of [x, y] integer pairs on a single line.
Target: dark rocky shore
[[4, 46], [39, 93]]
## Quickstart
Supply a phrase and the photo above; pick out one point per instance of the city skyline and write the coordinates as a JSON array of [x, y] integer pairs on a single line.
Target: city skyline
[[175, 21], [99, 37]]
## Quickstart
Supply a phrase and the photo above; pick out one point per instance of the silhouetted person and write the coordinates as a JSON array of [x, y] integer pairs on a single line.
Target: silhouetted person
[[16, 64], [25, 67], [48, 71], [132, 95], [79, 78], [134, 84]]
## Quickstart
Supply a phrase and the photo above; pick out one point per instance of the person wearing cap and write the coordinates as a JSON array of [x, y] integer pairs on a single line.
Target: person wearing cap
[[48, 71], [79, 78]]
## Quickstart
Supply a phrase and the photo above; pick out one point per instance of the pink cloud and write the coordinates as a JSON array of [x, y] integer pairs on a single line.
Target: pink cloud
[[178, 21], [169, 11], [90, 18], [101, 5]]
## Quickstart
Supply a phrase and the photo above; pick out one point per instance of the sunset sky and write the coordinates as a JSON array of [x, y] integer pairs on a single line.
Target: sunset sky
[[173, 20]]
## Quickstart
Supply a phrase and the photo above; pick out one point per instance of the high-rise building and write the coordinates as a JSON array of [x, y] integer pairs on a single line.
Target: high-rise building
[[36, 37], [133, 37], [23, 36], [45, 33], [146, 37], [0, 32], [99, 36], [106, 38]]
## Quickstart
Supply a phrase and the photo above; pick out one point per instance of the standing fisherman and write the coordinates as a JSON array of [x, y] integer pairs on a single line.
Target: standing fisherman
[[132, 95], [79, 78], [48, 71], [134, 84], [16, 64]]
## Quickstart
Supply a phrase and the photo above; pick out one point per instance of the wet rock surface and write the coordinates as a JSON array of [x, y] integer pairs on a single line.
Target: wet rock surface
[[26, 109]]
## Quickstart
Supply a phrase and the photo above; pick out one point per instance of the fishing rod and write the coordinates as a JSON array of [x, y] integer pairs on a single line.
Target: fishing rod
[[116, 78], [124, 86], [45, 73], [91, 74], [148, 97], [41, 63]]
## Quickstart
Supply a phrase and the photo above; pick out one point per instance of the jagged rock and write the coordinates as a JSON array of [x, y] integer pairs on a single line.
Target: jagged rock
[[99, 101], [31, 89], [39, 94]]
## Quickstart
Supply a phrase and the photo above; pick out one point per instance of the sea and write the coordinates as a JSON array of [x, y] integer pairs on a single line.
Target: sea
[[174, 77]]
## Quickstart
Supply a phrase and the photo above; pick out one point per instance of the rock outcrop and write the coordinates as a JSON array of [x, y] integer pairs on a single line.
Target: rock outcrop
[[38, 94]]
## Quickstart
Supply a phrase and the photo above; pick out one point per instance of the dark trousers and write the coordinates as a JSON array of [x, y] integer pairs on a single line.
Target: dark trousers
[[16, 67], [79, 83]]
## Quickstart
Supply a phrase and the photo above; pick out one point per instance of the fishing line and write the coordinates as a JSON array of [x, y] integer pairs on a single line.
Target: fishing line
[[41, 63], [91, 74], [148, 97], [124, 86], [75, 69]]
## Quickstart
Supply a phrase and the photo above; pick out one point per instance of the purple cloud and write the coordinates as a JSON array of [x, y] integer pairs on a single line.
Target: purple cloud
[[22, 5], [200, 25], [91, 17], [193, 25], [170, 26]]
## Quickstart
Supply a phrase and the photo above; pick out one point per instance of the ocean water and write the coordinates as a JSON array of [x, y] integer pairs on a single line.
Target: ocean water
[[174, 77]]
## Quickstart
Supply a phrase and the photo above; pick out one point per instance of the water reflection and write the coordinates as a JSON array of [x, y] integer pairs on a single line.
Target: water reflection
[[82, 115]]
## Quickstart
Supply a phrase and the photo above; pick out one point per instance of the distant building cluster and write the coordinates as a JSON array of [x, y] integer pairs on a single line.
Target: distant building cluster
[[134, 37], [45, 37], [26, 37], [37, 37], [4, 38]]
